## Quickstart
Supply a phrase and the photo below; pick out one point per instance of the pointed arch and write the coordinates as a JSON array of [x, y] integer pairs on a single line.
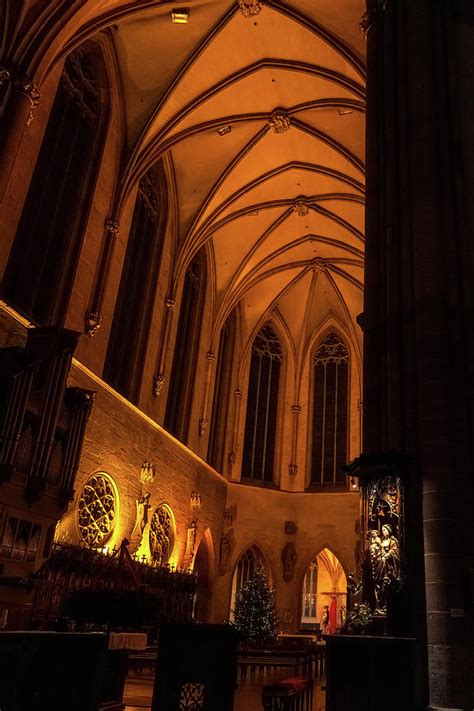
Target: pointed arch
[[323, 588], [262, 405], [41, 269], [330, 372], [186, 349], [248, 562]]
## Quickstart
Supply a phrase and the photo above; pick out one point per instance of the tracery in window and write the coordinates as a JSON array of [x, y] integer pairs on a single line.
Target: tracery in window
[[188, 334], [133, 312], [262, 404], [161, 536], [220, 405], [96, 511], [330, 412], [43, 260]]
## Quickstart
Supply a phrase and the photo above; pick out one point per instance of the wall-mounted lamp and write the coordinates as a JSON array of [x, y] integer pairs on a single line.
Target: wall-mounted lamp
[[180, 15]]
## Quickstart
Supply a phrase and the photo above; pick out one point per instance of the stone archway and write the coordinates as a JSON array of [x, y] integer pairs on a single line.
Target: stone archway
[[324, 589]]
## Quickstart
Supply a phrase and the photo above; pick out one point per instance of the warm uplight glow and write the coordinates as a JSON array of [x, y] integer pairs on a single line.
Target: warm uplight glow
[[180, 15]]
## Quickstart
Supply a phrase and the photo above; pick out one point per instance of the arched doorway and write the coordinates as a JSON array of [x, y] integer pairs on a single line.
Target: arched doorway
[[203, 568], [323, 601]]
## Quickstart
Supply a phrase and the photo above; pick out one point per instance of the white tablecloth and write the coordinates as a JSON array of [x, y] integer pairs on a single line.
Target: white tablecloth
[[127, 640]]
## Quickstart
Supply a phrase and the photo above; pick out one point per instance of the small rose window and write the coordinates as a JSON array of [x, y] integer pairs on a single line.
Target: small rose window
[[97, 510], [161, 535]]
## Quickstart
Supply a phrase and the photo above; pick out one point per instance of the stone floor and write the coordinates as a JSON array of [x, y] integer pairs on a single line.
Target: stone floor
[[139, 689]]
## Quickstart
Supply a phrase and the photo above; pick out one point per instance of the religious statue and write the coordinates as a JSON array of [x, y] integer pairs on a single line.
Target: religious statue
[[325, 617], [143, 506], [288, 558], [190, 544], [227, 542], [384, 554]]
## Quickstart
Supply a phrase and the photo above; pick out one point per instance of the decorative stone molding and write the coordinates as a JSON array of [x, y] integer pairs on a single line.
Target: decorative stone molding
[[224, 130], [5, 75], [210, 356], [170, 304], [158, 382], [147, 474], [374, 10], [290, 528], [232, 458], [238, 394], [292, 469], [229, 516], [250, 8], [295, 408], [92, 322], [360, 405], [203, 423], [27, 87], [195, 501], [279, 121], [301, 209], [112, 227]]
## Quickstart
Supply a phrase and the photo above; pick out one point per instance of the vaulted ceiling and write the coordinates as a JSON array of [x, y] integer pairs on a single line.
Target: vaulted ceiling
[[260, 107]]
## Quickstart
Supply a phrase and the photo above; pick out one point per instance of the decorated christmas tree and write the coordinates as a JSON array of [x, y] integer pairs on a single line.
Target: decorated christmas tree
[[255, 614]]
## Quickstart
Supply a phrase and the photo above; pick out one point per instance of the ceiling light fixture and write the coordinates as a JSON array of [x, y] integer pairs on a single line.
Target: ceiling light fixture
[[180, 15]]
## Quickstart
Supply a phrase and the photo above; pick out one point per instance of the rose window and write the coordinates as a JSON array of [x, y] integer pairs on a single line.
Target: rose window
[[161, 535], [96, 510]]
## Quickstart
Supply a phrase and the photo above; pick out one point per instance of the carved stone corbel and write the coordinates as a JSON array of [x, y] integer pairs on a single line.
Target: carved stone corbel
[[5, 75], [92, 323], [25, 86], [203, 423], [375, 8], [158, 382]]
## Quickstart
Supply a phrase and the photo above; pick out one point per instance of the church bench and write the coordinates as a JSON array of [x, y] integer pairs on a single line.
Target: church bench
[[293, 694], [297, 660]]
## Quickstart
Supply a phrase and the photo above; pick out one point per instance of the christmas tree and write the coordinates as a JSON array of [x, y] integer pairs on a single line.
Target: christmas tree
[[255, 614]]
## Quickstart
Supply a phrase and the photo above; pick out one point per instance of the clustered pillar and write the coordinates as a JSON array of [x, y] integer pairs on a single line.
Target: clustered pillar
[[418, 314]]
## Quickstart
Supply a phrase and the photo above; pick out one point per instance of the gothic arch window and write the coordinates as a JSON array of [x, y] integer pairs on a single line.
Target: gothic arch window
[[330, 412], [161, 535], [245, 569], [97, 510], [262, 404], [43, 261], [220, 405], [183, 371], [133, 313]]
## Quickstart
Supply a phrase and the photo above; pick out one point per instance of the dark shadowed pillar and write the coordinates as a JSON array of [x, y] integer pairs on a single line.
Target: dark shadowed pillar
[[419, 310]]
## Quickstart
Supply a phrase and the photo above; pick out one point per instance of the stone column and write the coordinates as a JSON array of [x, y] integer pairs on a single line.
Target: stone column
[[418, 314]]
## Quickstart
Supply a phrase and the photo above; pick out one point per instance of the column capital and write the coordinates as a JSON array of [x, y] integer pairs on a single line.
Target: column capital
[[170, 304], [210, 356]]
